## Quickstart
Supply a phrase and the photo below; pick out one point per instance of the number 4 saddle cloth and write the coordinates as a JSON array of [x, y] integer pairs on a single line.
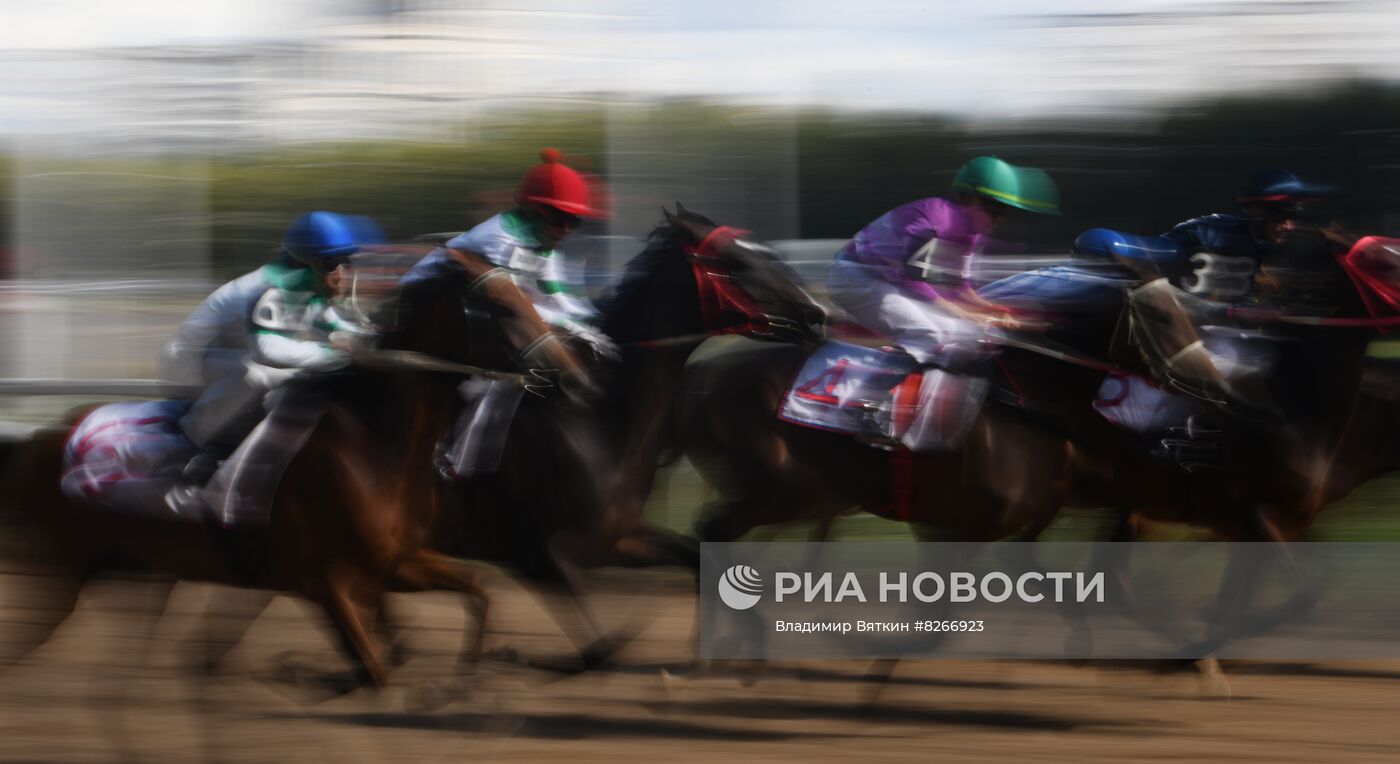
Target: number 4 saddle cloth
[[883, 396]]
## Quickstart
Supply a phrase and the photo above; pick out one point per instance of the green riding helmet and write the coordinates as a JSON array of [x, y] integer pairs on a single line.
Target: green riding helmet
[[1024, 188]]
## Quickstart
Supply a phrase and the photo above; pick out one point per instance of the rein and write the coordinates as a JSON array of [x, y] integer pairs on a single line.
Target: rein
[[720, 297], [1262, 316], [1045, 348], [533, 381], [670, 342]]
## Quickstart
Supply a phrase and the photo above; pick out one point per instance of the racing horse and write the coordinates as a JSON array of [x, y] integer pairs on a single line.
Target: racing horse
[[582, 475], [1032, 451], [351, 518]]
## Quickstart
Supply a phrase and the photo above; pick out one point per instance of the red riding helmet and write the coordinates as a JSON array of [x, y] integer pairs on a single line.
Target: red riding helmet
[[558, 186]]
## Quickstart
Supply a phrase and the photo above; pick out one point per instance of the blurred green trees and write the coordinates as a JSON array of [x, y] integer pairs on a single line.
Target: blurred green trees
[[1131, 172]]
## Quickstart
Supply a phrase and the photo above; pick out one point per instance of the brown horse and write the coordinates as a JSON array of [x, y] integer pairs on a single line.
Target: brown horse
[[352, 517]]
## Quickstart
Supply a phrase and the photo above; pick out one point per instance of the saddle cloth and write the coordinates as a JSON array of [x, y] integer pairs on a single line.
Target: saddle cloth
[[862, 391], [126, 456], [1134, 402]]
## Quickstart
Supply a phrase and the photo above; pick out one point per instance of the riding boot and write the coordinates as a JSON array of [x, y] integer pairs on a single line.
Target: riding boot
[[948, 404], [192, 503], [244, 486], [479, 436]]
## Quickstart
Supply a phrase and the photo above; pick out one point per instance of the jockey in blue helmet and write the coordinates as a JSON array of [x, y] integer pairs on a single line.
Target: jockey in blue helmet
[[263, 332]]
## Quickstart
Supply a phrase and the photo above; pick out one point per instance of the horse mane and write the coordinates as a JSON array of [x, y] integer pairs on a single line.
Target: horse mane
[[663, 241]]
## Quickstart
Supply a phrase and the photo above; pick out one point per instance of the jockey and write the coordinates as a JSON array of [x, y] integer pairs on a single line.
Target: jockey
[[253, 345], [1273, 253], [523, 243], [513, 261], [909, 273], [1265, 255]]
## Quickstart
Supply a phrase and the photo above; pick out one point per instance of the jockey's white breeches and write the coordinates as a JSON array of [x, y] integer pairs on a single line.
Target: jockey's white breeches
[[928, 332]]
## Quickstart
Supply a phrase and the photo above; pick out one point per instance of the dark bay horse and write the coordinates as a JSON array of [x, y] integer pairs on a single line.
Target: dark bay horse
[[1011, 475], [1047, 446], [573, 481], [1022, 463]]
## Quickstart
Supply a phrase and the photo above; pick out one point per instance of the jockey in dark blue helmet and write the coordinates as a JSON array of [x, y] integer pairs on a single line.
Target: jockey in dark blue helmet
[[1270, 253], [262, 333]]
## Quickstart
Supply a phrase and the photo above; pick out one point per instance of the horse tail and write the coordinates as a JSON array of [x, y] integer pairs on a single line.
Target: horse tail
[[29, 466], [30, 469], [29, 495]]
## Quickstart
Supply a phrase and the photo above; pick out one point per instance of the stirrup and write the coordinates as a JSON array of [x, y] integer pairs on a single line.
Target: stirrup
[[187, 502]]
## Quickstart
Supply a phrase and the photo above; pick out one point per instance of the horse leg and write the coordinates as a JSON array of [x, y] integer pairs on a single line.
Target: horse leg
[[351, 600], [1110, 557], [109, 708], [434, 570], [646, 546], [60, 602], [882, 669], [1232, 618], [241, 607], [386, 629], [598, 647], [725, 522], [1280, 537]]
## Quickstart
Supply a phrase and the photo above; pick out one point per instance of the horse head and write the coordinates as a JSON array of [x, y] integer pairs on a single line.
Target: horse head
[[697, 277]]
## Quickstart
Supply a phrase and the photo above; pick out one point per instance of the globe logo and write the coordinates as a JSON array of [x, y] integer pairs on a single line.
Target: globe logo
[[740, 587]]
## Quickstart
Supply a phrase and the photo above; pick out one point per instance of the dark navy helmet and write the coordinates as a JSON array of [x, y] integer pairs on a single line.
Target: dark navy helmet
[[1275, 187], [319, 236]]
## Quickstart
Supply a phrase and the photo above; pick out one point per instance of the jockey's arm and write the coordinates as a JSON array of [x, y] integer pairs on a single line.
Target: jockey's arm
[[182, 357], [957, 297], [521, 323], [211, 344], [280, 338]]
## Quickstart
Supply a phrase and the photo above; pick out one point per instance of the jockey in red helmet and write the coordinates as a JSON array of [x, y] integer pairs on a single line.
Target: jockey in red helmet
[[552, 200]]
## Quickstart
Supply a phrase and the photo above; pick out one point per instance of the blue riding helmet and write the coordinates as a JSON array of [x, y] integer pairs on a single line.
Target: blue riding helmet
[[329, 235], [1106, 242]]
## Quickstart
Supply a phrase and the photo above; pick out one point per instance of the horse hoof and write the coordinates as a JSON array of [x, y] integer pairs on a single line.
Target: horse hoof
[[434, 694], [1214, 687], [600, 654], [669, 688], [399, 654], [502, 655], [870, 694], [749, 675], [1212, 683]]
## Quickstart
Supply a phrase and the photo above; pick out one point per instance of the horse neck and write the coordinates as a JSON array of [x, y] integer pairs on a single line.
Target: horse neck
[[402, 415], [420, 405], [657, 300]]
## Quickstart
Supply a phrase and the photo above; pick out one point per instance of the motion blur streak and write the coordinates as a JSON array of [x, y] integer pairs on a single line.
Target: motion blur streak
[[1121, 380]]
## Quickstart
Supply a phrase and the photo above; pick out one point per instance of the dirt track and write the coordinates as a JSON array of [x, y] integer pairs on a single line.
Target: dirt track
[[90, 695]]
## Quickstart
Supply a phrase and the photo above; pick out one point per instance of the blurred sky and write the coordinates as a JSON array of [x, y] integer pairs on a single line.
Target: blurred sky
[[989, 58]]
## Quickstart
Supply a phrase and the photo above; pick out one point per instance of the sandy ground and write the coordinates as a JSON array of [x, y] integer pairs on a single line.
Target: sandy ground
[[108, 688]]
